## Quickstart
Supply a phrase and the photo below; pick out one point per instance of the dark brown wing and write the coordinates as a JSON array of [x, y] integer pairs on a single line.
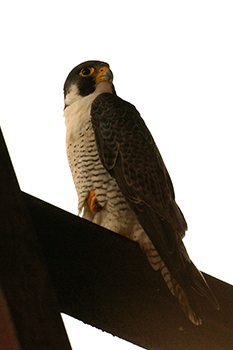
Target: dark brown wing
[[122, 136], [129, 153]]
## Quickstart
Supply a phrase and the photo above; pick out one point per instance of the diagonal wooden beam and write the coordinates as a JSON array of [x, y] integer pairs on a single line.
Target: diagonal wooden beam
[[99, 277], [105, 280], [29, 298]]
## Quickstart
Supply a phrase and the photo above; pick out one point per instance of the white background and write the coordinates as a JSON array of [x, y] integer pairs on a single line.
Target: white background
[[173, 60]]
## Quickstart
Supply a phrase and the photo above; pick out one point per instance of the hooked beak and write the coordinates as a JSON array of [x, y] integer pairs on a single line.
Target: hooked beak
[[104, 74]]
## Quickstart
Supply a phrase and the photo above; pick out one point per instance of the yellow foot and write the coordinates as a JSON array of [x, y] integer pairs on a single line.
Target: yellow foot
[[92, 203]]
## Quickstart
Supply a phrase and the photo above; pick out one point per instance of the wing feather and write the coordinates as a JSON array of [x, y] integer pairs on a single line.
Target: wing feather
[[129, 153], [121, 133]]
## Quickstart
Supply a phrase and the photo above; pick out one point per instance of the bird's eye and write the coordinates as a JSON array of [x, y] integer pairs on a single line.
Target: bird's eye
[[86, 72]]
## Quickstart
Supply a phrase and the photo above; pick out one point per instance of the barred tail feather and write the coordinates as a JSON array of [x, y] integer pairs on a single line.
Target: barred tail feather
[[187, 299], [200, 285], [177, 291], [188, 305]]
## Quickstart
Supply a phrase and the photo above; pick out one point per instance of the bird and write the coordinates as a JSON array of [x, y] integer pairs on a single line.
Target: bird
[[122, 182]]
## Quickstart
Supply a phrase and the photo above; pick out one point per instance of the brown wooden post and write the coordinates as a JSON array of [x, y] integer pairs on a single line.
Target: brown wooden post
[[28, 292], [8, 338]]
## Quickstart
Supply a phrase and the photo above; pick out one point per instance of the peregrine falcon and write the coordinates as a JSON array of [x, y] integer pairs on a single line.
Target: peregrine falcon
[[122, 182]]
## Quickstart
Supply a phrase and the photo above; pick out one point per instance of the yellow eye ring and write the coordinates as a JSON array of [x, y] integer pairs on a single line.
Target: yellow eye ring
[[87, 72]]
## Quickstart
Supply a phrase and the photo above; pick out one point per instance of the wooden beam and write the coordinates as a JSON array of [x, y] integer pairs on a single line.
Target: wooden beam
[[105, 280], [99, 277], [28, 297]]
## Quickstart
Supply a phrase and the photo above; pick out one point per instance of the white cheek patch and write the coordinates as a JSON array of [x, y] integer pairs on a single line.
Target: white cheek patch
[[72, 96], [77, 111]]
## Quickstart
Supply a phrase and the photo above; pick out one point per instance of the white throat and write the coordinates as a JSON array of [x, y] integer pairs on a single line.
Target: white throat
[[77, 112]]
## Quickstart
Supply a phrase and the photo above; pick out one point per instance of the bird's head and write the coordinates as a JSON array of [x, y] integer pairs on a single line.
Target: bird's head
[[86, 78]]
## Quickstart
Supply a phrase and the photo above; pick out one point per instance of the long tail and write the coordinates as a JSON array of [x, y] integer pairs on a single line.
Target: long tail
[[186, 298]]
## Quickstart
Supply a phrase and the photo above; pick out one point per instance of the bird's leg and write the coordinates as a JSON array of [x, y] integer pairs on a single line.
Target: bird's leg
[[92, 203]]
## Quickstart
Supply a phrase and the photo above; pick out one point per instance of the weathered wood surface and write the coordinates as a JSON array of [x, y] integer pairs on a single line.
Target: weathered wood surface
[[29, 303]]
